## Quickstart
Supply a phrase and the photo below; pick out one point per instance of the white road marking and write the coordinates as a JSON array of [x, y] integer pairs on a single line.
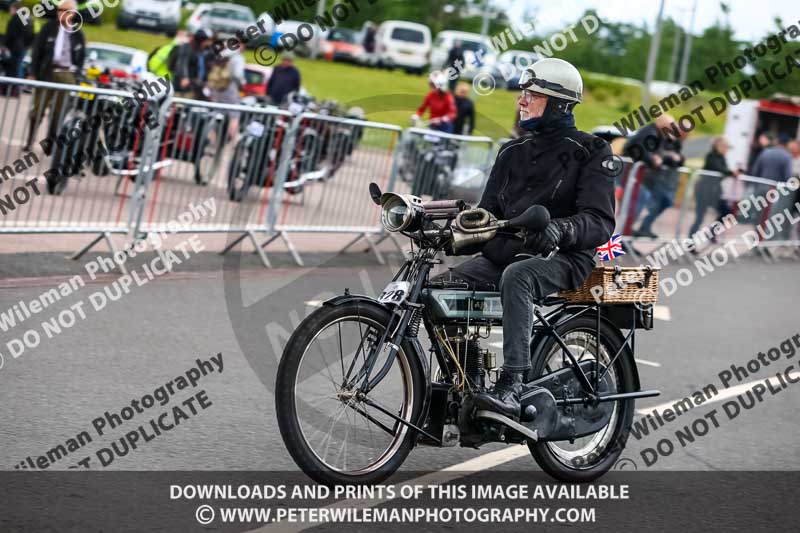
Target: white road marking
[[446, 475], [496, 345], [662, 312], [724, 395], [314, 303], [645, 362]]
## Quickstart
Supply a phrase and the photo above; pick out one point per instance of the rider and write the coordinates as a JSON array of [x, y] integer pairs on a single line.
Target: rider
[[570, 173], [441, 103]]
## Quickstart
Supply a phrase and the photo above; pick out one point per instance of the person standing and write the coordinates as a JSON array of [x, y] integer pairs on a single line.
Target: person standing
[[455, 60], [285, 79], [225, 80], [57, 56], [775, 163], [19, 37], [762, 142], [708, 191], [188, 64], [465, 111], [369, 42], [658, 146]]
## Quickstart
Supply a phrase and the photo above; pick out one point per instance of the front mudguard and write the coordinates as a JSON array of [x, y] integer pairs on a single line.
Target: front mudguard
[[538, 340], [413, 344]]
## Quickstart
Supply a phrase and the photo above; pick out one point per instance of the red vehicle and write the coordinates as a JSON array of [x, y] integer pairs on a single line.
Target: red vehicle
[[256, 78], [343, 45]]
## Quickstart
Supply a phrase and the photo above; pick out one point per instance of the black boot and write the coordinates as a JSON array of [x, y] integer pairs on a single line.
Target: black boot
[[504, 398]]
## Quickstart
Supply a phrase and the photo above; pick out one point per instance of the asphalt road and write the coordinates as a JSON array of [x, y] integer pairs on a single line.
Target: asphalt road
[[52, 392]]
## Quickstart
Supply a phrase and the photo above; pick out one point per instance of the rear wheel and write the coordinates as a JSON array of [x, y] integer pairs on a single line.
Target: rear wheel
[[589, 457], [334, 433]]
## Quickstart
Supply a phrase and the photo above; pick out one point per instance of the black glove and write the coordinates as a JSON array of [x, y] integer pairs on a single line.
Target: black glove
[[560, 232]]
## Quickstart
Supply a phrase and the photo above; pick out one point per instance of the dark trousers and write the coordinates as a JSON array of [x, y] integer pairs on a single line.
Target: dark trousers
[[723, 210], [661, 198], [12, 69], [521, 285], [444, 127]]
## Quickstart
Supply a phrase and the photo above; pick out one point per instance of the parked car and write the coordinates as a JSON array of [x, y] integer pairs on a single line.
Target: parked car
[[223, 19], [343, 44], [301, 48], [402, 44], [162, 16], [122, 61], [478, 51], [256, 78], [509, 66]]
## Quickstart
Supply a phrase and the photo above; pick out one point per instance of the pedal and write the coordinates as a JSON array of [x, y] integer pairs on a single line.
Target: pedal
[[516, 426]]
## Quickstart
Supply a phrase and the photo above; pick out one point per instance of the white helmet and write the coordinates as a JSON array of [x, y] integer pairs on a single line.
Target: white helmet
[[438, 80], [553, 77]]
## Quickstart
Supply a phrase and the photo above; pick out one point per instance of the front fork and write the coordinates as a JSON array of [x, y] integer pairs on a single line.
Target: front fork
[[391, 340]]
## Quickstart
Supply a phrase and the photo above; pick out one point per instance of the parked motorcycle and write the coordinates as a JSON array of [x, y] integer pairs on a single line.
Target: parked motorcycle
[[197, 135], [339, 138], [258, 151], [87, 138], [355, 390], [428, 161]]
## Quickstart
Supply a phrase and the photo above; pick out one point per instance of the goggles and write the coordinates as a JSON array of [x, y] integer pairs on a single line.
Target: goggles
[[529, 79]]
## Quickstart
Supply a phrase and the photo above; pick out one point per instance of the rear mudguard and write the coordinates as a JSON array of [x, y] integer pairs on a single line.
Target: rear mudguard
[[538, 341], [414, 344]]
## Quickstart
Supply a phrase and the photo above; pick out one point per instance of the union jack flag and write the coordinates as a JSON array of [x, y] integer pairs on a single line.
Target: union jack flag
[[611, 249]]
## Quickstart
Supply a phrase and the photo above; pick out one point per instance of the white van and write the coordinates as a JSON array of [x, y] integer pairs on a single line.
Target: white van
[[154, 15], [402, 44], [478, 52]]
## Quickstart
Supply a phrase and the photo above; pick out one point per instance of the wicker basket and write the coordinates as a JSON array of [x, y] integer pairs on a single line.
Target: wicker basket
[[617, 285]]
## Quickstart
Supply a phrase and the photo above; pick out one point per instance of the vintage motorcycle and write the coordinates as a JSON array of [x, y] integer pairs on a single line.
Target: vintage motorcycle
[[356, 391]]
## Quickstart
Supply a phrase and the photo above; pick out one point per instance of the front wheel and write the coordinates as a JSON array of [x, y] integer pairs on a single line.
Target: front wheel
[[589, 457], [335, 434], [239, 171]]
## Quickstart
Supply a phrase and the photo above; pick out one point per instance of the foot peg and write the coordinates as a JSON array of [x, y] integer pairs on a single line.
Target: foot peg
[[516, 426]]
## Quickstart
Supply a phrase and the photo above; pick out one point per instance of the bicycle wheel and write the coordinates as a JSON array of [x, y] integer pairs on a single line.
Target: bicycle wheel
[[333, 433], [589, 457]]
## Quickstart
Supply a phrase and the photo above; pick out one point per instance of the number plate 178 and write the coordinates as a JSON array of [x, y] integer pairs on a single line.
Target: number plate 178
[[395, 293]]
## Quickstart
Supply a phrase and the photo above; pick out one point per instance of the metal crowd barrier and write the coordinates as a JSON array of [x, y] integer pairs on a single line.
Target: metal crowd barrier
[[324, 183], [267, 172], [705, 201], [436, 165], [223, 154], [697, 197], [64, 150]]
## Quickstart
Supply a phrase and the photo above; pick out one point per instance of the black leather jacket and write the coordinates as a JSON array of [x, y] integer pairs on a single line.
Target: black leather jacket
[[567, 171], [44, 45]]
